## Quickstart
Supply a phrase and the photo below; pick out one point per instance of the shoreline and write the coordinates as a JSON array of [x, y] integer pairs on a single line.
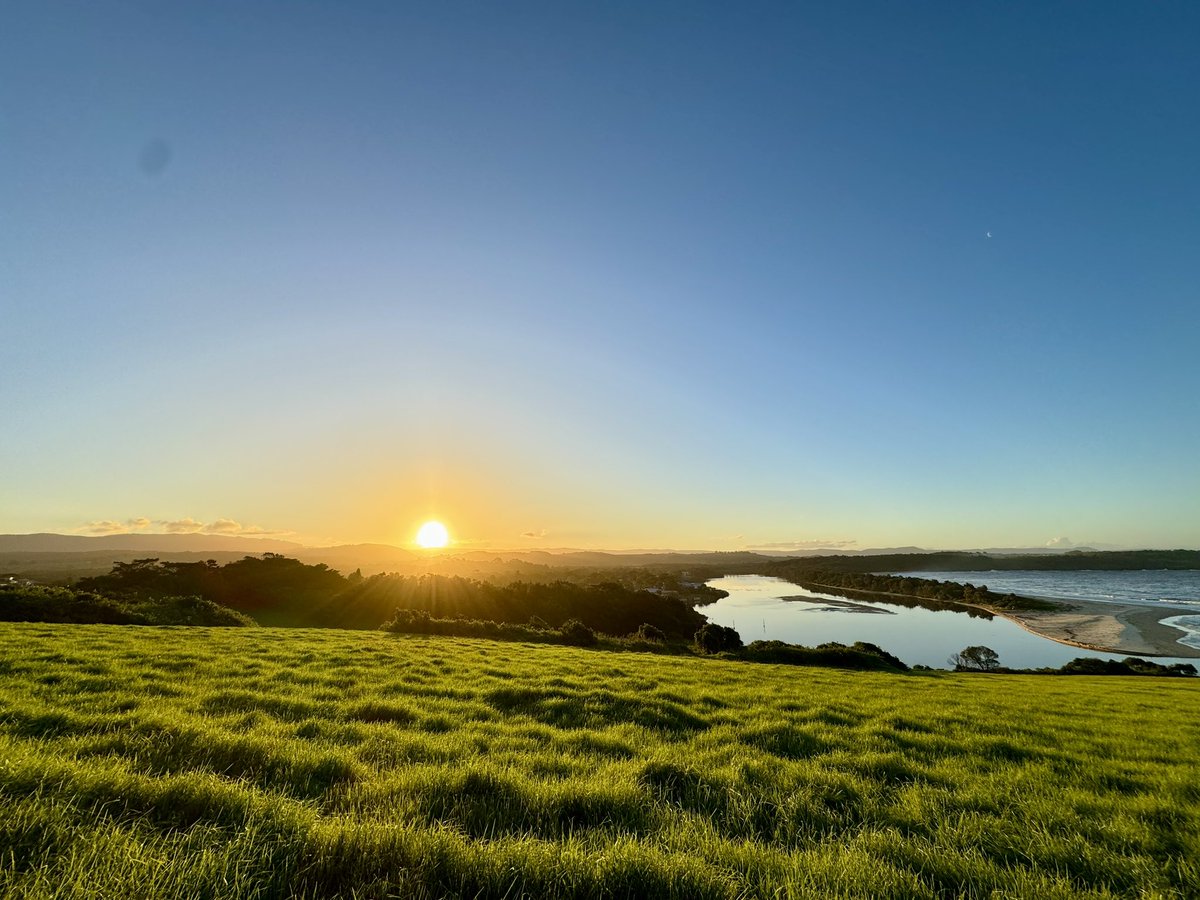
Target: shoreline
[[1130, 629]]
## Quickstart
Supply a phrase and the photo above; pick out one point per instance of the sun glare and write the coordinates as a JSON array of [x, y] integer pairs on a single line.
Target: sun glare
[[432, 535]]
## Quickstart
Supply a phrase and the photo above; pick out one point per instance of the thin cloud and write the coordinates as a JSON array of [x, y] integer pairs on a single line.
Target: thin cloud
[[259, 530], [805, 545], [186, 525], [182, 526], [106, 526], [112, 526], [222, 526], [534, 534]]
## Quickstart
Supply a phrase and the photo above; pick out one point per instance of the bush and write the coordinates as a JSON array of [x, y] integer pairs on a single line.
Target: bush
[[1089, 665], [717, 638], [409, 621], [831, 655], [875, 650], [575, 632], [40, 603], [648, 632]]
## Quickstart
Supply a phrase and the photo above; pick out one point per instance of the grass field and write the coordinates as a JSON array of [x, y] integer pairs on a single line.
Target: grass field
[[212, 763]]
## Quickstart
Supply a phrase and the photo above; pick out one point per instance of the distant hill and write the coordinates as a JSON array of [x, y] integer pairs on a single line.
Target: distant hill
[[831, 551], [913, 551], [598, 559], [973, 561], [186, 543], [63, 557], [371, 558]]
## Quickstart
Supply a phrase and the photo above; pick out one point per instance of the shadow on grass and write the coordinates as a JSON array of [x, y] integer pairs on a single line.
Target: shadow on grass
[[597, 709]]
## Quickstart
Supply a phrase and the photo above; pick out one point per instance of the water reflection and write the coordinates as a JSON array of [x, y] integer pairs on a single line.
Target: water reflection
[[757, 608]]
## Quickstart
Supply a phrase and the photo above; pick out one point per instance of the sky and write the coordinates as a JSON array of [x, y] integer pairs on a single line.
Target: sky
[[610, 275]]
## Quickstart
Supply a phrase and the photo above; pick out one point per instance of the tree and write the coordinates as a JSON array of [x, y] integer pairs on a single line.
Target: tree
[[975, 659]]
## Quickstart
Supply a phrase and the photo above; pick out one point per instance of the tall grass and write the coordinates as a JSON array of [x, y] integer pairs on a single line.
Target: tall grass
[[211, 763]]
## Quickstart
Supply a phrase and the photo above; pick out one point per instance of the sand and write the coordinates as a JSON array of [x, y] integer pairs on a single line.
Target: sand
[[1127, 628], [1130, 628]]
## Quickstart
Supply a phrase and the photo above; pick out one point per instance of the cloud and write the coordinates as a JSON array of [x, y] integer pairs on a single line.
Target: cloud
[[534, 534], [259, 530], [229, 526], [804, 545], [186, 525], [223, 526], [105, 526], [112, 526], [1060, 543], [182, 526]]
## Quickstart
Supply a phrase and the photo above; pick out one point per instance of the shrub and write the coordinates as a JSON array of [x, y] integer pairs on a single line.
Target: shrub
[[717, 638], [575, 632], [410, 621], [875, 650], [648, 632], [38, 603], [1089, 665], [832, 655]]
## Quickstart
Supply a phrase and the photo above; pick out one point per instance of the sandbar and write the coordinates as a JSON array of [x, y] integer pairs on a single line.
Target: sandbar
[[1129, 628], [825, 604], [1133, 629]]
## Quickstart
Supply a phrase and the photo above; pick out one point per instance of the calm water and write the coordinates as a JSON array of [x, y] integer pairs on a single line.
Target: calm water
[[1175, 591], [756, 609]]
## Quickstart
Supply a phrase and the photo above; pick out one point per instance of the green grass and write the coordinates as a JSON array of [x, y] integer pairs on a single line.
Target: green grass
[[256, 763]]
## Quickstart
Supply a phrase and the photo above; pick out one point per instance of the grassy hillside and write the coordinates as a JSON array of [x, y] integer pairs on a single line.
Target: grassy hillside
[[259, 762]]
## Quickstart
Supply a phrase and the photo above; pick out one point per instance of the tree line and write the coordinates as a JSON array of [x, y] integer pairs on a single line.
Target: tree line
[[278, 590], [973, 561], [904, 589]]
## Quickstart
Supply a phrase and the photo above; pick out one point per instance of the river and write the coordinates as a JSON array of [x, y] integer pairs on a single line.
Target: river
[[756, 608]]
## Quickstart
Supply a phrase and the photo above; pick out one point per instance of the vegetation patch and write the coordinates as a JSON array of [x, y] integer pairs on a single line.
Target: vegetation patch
[[343, 765]]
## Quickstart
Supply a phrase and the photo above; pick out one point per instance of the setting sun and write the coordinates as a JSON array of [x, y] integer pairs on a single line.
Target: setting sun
[[432, 534]]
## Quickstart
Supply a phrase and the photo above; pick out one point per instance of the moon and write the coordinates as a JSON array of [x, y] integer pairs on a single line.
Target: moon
[[989, 234]]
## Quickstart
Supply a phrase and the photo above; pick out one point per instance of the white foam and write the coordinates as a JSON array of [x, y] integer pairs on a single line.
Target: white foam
[[1189, 625]]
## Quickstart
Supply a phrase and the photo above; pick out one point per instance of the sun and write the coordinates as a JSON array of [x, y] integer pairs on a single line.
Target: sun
[[432, 534]]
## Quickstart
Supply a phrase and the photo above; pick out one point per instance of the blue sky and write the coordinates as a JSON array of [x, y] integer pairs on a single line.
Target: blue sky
[[612, 275]]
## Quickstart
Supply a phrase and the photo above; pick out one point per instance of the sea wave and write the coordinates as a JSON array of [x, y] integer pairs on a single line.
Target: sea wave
[[1189, 625]]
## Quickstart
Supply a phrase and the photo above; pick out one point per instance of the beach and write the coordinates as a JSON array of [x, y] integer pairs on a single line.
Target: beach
[[1131, 628]]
